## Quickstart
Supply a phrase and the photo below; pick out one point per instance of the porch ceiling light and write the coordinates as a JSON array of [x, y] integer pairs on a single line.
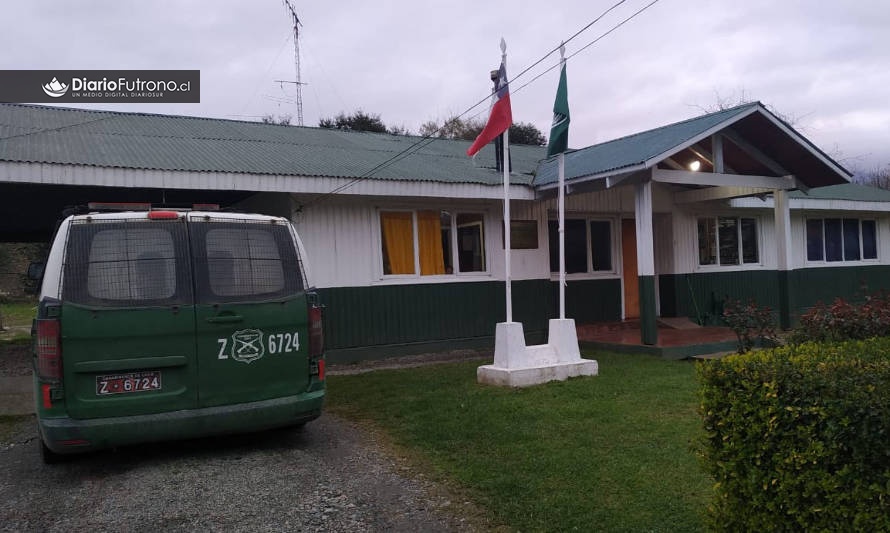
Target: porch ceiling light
[[695, 165]]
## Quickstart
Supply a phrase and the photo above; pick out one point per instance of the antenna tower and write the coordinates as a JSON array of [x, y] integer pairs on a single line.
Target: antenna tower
[[299, 82]]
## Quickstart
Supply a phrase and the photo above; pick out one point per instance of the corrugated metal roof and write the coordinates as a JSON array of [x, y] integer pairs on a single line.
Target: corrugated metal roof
[[634, 150], [45, 134], [847, 191]]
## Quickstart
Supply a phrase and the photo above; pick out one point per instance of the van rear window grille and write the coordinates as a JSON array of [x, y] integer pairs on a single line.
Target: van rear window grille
[[244, 260], [127, 263]]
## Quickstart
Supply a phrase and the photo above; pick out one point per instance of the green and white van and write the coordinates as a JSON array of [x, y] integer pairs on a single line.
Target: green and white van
[[162, 324]]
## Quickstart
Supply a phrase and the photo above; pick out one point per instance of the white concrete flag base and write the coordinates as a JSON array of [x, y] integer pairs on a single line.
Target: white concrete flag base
[[518, 365]]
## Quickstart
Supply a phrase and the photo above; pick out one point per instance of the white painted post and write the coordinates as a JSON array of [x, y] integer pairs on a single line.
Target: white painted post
[[646, 262], [782, 216], [562, 236]]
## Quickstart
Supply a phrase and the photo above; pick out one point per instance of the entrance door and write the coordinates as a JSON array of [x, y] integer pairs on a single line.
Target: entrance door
[[629, 274]]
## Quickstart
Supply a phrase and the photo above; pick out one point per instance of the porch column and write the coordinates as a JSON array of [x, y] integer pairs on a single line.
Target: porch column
[[646, 262], [782, 214]]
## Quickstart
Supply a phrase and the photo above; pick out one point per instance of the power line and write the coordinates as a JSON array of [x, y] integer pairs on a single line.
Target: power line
[[591, 43], [429, 138]]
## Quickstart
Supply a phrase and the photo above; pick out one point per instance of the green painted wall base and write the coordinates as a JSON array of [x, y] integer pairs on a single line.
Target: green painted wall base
[[387, 320], [364, 353], [701, 296]]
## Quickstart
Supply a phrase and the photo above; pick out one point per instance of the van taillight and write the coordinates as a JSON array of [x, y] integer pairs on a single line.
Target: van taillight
[[49, 349], [316, 332]]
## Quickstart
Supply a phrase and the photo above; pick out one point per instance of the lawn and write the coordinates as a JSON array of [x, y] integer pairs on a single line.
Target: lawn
[[16, 317], [606, 453]]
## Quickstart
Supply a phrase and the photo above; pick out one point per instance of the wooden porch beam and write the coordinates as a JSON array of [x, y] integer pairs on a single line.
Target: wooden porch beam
[[718, 193], [682, 177]]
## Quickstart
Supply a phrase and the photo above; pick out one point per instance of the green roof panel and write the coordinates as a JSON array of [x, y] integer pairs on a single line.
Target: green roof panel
[[45, 134]]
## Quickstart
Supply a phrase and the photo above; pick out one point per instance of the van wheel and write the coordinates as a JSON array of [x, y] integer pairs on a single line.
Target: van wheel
[[49, 457]]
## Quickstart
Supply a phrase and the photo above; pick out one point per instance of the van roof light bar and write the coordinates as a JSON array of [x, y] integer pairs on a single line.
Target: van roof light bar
[[119, 206]]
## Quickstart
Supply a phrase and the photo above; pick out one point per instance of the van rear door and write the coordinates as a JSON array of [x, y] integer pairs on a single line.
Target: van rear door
[[251, 312], [127, 317]]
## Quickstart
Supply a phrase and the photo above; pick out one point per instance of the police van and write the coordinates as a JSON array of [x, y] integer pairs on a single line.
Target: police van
[[157, 324]]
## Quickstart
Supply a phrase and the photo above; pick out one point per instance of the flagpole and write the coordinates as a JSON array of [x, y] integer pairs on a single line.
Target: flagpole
[[562, 213], [562, 235], [506, 165]]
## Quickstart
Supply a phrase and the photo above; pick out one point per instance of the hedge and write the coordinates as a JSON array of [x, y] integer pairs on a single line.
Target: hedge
[[796, 438]]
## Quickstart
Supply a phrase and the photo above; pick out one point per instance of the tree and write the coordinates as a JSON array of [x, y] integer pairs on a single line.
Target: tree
[[468, 129], [526, 133], [398, 130], [877, 177], [735, 99], [281, 120], [357, 121]]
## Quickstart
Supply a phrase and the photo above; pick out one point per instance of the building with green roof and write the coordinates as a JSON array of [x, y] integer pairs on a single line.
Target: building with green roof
[[404, 234]]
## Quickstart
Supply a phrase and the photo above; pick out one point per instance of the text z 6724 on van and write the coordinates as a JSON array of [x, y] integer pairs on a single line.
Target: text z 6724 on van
[[162, 325]]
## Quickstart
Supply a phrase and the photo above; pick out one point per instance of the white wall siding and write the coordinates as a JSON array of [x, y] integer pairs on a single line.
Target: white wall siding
[[338, 242], [664, 243]]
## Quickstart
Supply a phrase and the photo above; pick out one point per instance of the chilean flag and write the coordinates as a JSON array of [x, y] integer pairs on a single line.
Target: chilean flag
[[501, 115]]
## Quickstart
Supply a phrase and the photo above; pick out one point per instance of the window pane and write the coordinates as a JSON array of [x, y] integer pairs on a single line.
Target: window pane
[[132, 264], [397, 232], [523, 234], [243, 262], [429, 242], [447, 254], [470, 243], [576, 245], [601, 245], [869, 240], [851, 239], [833, 240], [815, 251], [707, 239], [729, 240], [749, 241]]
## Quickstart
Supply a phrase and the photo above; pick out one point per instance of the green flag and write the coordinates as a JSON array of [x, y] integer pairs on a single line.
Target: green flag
[[559, 132]]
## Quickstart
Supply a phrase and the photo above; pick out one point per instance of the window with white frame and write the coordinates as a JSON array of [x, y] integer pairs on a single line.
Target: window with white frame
[[841, 239], [726, 241], [588, 245], [429, 243]]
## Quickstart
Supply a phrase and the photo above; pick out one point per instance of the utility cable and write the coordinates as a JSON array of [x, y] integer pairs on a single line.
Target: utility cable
[[430, 138]]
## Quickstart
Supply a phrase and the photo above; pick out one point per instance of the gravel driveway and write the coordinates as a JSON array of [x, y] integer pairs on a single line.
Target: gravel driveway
[[329, 476], [325, 477]]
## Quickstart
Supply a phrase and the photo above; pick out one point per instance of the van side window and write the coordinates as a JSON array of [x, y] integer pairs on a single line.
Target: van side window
[[123, 264], [244, 261]]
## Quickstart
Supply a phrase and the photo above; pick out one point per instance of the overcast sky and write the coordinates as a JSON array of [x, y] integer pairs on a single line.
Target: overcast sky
[[823, 64]]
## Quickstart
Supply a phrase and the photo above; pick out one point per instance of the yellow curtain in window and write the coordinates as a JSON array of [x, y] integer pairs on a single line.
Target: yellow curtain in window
[[398, 243], [429, 239]]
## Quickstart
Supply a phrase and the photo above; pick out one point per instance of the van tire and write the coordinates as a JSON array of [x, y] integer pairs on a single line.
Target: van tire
[[49, 457]]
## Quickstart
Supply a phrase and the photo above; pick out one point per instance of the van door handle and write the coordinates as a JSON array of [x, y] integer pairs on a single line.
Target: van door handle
[[225, 319]]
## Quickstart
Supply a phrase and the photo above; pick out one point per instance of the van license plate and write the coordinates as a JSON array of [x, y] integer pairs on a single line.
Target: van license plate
[[129, 382]]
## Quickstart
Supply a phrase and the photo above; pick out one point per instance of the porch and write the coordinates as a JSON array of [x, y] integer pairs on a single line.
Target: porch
[[675, 340]]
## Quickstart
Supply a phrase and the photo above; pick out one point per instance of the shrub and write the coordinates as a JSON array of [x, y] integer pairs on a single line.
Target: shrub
[[750, 322], [843, 320], [796, 437]]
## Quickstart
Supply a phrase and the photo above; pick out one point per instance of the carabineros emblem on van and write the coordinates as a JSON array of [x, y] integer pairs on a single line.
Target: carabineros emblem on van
[[247, 345]]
